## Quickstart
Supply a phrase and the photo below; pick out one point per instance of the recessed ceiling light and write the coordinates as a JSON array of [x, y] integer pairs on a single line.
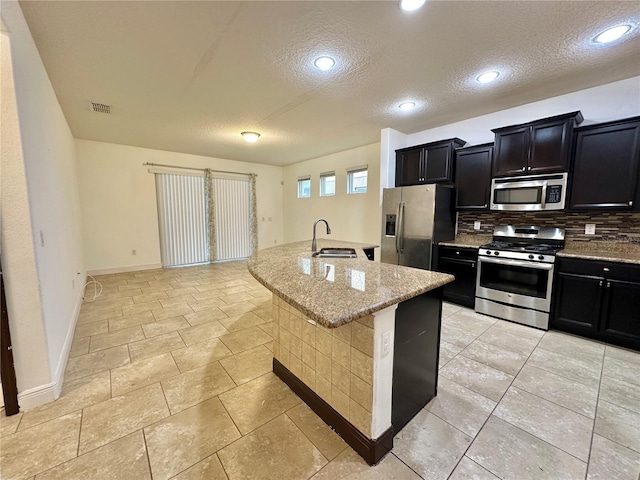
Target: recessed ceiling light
[[324, 63], [488, 77], [407, 106], [612, 34], [411, 5], [251, 137]]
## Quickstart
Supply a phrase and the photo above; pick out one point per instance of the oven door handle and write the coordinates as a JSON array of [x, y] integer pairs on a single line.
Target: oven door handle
[[543, 200], [517, 263]]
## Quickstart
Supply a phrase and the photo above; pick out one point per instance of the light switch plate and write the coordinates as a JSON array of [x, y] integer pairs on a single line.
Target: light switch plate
[[590, 229], [476, 225]]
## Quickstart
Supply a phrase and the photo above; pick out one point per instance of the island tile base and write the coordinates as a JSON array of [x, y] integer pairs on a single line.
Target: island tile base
[[332, 370]]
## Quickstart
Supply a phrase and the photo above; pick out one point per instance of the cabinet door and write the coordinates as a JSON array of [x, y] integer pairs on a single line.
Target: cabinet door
[[512, 152], [605, 172], [409, 167], [473, 178], [550, 144], [438, 164], [621, 314], [463, 289], [577, 304]]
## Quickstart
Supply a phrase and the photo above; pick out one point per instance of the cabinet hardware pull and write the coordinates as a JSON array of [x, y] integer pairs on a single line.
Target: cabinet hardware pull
[[524, 168], [630, 203], [485, 205], [606, 269], [529, 168], [600, 283], [457, 253], [608, 284]]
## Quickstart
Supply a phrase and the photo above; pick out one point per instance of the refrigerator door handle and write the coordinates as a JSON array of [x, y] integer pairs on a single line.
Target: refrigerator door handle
[[397, 232], [400, 229]]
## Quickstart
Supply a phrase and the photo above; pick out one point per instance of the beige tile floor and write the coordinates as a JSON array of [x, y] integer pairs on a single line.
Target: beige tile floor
[[169, 378]]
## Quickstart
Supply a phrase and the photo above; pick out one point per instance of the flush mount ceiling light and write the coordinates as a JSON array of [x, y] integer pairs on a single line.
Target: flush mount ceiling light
[[407, 106], [411, 5], [612, 34], [324, 63], [488, 77], [251, 137]]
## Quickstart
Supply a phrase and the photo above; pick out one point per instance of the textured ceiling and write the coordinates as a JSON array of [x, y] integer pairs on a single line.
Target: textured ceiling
[[190, 76]]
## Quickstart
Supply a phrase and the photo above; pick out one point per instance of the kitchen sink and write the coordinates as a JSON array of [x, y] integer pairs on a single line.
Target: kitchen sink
[[335, 253]]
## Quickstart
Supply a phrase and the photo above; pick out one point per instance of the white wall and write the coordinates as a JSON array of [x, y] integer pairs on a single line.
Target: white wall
[[352, 217], [46, 150], [118, 199], [607, 102]]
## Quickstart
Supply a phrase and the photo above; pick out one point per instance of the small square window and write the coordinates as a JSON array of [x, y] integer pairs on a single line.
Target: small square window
[[327, 184], [304, 187], [357, 181]]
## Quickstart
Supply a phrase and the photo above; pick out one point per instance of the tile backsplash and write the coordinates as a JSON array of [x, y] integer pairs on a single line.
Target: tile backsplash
[[614, 227]]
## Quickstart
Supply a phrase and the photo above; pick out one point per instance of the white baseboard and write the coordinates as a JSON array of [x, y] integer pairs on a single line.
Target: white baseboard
[[49, 392], [58, 376], [131, 268], [37, 396]]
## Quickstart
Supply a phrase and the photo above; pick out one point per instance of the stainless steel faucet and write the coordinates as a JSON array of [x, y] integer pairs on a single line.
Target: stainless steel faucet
[[314, 245]]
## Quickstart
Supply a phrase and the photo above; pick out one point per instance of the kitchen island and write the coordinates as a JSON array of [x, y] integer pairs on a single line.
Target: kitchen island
[[357, 340]]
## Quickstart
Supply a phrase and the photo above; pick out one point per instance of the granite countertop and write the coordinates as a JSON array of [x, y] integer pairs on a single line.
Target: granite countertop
[[336, 291], [610, 252], [467, 241]]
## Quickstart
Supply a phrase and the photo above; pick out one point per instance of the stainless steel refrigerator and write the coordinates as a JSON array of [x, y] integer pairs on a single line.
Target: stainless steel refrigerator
[[414, 220]]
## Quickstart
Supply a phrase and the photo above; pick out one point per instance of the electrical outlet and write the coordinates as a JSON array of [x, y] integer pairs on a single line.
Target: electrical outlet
[[386, 343], [590, 229], [133, 252], [476, 225]]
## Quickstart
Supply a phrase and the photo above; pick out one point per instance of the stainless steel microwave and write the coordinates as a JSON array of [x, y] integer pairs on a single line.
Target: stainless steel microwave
[[529, 194]]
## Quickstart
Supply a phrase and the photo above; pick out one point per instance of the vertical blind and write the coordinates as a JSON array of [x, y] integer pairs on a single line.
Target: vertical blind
[[182, 218], [233, 219]]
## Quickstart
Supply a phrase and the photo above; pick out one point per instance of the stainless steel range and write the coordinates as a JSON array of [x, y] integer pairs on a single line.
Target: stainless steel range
[[515, 274]]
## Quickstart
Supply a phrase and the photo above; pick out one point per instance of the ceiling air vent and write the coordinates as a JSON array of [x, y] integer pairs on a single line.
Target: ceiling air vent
[[100, 107]]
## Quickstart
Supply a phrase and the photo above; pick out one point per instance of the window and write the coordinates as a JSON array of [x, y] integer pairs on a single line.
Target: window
[[357, 180], [304, 187], [327, 184]]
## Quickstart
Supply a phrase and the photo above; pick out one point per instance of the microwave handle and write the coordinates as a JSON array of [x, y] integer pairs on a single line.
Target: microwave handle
[[543, 201]]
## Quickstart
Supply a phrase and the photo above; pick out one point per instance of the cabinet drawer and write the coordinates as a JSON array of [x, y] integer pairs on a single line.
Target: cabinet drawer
[[459, 252], [597, 268]]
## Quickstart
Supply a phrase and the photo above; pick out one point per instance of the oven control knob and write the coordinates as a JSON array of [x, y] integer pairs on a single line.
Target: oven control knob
[[530, 257], [540, 257], [496, 253], [488, 252]]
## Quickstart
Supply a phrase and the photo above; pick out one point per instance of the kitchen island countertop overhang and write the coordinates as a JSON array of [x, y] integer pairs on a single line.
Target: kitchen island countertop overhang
[[336, 291]]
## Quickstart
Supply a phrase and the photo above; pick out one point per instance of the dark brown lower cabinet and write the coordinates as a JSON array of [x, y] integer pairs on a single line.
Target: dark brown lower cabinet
[[599, 300]]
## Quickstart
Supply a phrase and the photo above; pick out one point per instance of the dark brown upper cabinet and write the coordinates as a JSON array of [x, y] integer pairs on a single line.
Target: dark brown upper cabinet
[[606, 166], [473, 177], [539, 147], [428, 163]]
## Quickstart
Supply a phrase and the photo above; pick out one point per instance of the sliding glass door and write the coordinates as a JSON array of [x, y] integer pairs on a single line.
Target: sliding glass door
[[182, 219], [205, 218]]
